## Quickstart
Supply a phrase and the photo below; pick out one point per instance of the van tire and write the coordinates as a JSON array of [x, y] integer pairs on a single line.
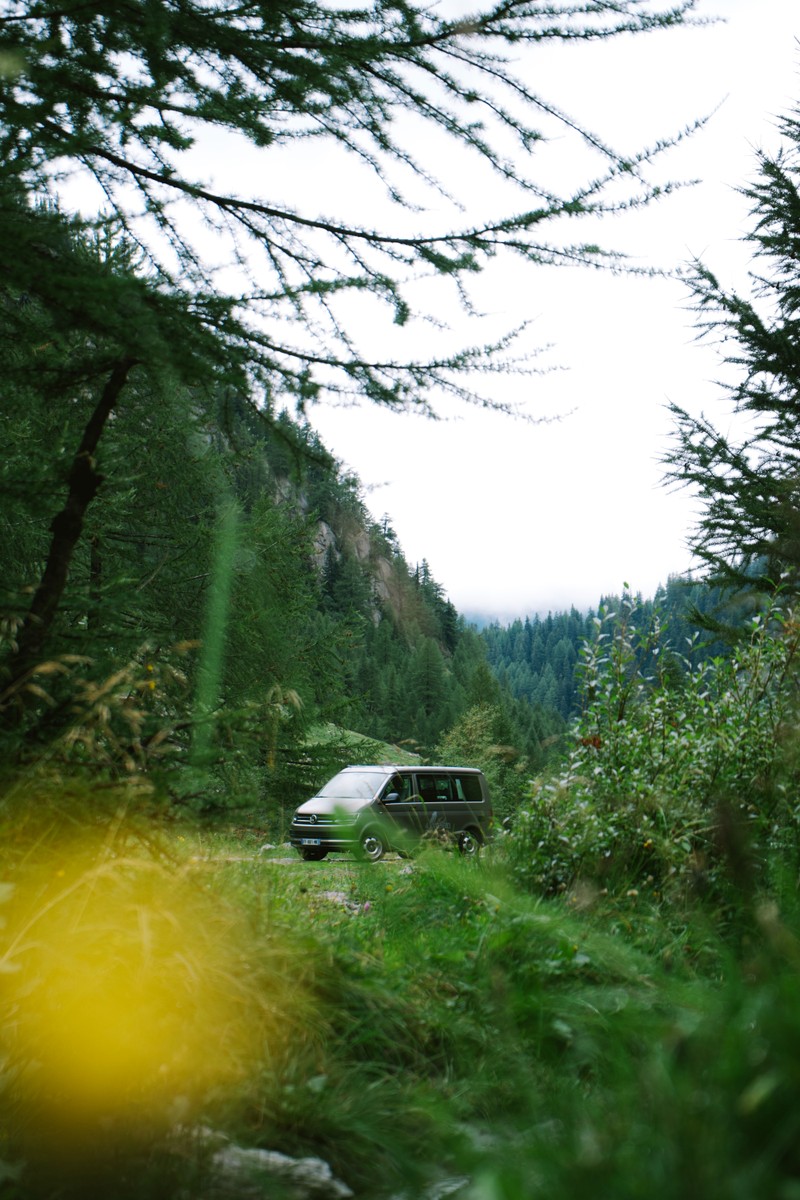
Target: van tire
[[372, 846], [313, 853], [469, 843]]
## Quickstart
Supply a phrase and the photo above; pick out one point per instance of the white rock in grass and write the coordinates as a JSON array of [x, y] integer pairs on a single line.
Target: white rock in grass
[[304, 1178]]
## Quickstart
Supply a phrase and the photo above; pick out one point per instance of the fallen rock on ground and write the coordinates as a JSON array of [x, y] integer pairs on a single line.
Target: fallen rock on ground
[[245, 1172]]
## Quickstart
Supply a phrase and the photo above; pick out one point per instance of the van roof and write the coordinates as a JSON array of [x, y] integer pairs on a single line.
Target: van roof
[[391, 768]]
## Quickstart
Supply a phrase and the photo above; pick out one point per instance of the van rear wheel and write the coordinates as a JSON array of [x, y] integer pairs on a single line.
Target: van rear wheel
[[469, 844], [372, 847]]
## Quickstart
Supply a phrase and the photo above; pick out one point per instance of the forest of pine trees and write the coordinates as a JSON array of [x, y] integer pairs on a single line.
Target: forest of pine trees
[[537, 659], [214, 514]]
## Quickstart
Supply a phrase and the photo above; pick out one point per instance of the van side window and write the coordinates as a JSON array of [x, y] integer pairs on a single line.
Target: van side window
[[468, 788], [427, 789], [401, 784], [442, 785]]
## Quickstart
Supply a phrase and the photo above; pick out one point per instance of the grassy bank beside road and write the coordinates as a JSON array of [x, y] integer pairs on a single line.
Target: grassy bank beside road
[[409, 1022]]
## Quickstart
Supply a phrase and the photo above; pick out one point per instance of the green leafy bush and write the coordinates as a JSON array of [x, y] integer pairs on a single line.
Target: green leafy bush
[[483, 738], [678, 770]]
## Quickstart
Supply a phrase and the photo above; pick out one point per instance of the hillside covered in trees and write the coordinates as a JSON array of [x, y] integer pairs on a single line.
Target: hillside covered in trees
[[234, 514], [538, 659]]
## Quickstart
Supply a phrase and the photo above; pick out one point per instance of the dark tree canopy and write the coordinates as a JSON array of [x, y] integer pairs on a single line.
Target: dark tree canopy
[[748, 481], [130, 98]]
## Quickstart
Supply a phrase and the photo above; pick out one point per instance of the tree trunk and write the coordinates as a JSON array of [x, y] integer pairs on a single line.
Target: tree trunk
[[66, 527]]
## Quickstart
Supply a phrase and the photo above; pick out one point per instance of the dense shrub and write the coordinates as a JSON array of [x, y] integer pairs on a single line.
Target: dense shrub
[[675, 777]]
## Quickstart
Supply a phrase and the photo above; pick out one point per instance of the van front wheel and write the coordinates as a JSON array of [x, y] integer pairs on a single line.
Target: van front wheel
[[468, 844], [372, 847]]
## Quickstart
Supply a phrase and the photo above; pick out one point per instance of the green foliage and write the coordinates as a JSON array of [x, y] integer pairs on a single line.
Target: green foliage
[[677, 781], [126, 100], [143, 395], [412, 1023], [538, 660], [484, 737], [413, 1020], [451, 994], [746, 480], [702, 1097], [175, 641]]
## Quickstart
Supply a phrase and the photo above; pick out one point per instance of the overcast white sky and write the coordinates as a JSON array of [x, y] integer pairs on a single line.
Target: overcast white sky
[[518, 518]]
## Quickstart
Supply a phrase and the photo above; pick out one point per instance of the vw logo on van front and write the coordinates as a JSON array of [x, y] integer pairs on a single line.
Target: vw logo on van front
[[313, 818]]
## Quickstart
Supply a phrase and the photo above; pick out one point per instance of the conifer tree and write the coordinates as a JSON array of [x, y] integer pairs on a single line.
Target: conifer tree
[[79, 330], [748, 533]]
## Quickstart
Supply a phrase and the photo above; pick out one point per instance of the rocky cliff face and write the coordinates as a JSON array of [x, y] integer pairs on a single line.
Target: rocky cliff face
[[345, 536], [324, 544], [353, 535]]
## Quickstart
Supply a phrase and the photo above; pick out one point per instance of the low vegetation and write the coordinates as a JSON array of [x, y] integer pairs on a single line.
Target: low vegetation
[[608, 998]]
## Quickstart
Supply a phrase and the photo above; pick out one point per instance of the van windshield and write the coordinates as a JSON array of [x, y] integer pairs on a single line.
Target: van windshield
[[358, 785]]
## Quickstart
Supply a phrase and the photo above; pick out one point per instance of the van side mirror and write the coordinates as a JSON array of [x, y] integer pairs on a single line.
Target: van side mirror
[[391, 797]]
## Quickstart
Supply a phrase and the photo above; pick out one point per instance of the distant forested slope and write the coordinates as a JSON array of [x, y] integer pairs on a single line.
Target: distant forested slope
[[536, 659]]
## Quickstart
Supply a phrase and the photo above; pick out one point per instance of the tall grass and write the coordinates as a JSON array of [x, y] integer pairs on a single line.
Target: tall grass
[[409, 1022], [549, 1051]]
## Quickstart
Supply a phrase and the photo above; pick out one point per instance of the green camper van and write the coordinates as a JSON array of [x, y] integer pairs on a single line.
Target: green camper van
[[369, 810]]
